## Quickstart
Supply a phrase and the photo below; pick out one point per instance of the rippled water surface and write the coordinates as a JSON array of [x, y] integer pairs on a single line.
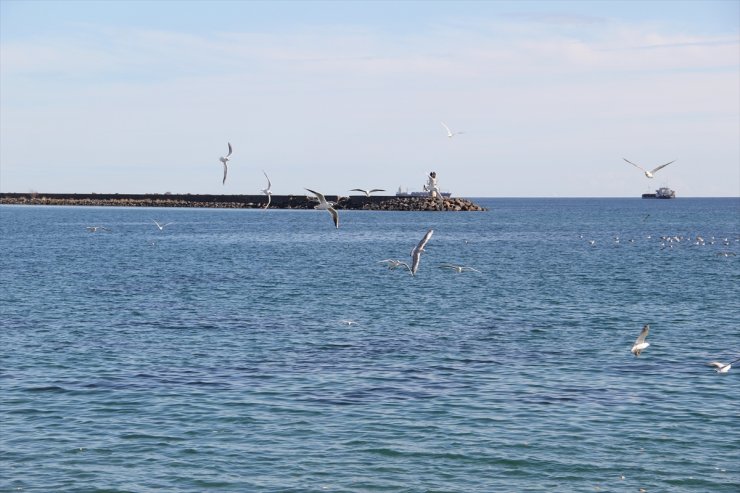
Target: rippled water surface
[[216, 354]]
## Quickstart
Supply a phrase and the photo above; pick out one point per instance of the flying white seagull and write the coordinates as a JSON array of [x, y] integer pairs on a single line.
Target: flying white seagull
[[367, 192], [640, 345], [393, 264], [722, 367], [161, 226], [94, 229], [416, 252], [326, 206], [650, 173], [225, 159], [450, 133], [267, 191], [458, 268]]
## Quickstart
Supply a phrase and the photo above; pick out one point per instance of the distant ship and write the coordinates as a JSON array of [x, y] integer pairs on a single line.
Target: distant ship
[[661, 193], [402, 193]]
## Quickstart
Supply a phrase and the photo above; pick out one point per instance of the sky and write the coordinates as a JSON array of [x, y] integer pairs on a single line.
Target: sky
[[143, 96]]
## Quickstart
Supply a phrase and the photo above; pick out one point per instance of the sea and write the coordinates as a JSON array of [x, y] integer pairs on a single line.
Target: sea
[[268, 351]]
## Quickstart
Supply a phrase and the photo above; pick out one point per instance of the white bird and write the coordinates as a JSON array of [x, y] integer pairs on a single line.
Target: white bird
[[640, 345], [727, 254], [225, 159], [650, 173], [94, 229], [367, 192], [416, 252], [161, 226], [326, 206], [393, 264], [450, 133], [267, 191], [348, 322], [458, 268], [722, 367]]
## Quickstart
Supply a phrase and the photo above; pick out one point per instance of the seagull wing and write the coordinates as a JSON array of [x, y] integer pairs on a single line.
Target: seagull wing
[[377, 190], [661, 166], [269, 199], [716, 364], [334, 216], [424, 240], [319, 196], [415, 259], [359, 190], [225, 170], [449, 132], [269, 185], [158, 225], [643, 335], [229, 154], [635, 165]]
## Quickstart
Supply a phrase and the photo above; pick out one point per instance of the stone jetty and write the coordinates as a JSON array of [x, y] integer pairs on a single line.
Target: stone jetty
[[354, 202]]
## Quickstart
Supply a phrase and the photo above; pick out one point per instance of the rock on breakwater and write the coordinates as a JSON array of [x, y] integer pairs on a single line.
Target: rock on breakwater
[[354, 202], [424, 204]]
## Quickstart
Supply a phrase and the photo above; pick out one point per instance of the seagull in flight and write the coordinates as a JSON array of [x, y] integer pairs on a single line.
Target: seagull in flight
[[393, 264], [458, 268], [640, 345], [722, 367], [326, 206], [94, 229], [450, 133], [225, 159], [416, 252], [650, 173], [267, 191], [161, 226], [367, 192]]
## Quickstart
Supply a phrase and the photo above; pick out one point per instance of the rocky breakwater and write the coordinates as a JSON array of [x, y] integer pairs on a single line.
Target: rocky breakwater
[[355, 202], [423, 204]]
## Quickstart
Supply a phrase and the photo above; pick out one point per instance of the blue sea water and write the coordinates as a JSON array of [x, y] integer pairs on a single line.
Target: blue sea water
[[214, 355]]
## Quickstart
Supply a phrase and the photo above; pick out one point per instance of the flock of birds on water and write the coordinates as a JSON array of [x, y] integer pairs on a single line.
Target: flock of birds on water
[[640, 343]]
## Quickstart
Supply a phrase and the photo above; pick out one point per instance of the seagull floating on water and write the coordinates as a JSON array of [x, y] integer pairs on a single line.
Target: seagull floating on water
[[640, 345], [367, 192], [450, 133], [416, 252], [650, 173], [225, 159], [161, 226], [94, 229], [267, 191], [458, 268], [722, 367], [326, 206]]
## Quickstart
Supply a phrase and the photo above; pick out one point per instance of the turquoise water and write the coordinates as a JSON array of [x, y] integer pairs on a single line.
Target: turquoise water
[[214, 356]]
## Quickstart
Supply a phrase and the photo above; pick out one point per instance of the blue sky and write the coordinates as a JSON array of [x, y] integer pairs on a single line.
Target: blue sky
[[141, 97]]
